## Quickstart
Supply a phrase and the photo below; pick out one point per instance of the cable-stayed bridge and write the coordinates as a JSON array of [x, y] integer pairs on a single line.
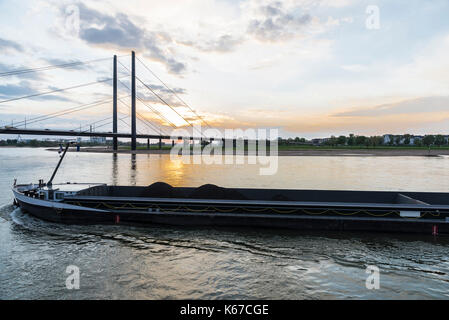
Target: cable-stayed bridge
[[159, 127]]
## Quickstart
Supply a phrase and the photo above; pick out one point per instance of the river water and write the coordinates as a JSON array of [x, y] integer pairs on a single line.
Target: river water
[[120, 262]]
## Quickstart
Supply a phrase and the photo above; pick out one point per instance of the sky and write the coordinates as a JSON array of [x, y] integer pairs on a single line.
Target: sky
[[309, 68]]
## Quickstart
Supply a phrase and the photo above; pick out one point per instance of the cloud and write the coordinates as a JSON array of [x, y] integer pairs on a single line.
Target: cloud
[[25, 88], [354, 68], [16, 90], [426, 74], [327, 124], [56, 61], [29, 75], [161, 88], [335, 3], [224, 43], [275, 23], [119, 30], [419, 105], [265, 21], [52, 97], [7, 46], [419, 116]]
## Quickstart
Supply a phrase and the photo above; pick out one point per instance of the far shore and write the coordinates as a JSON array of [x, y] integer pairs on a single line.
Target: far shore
[[298, 152]]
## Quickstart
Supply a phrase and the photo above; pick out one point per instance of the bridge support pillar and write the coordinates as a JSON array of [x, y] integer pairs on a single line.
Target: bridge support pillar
[[114, 105], [160, 143], [148, 144], [133, 101]]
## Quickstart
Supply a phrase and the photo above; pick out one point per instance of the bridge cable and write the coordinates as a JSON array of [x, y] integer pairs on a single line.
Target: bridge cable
[[166, 103], [56, 90], [105, 124], [151, 108], [95, 122], [20, 123], [60, 66], [64, 112], [149, 124], [143, 102], [173, 92], [160, 98], [128, 113], [157, 130]]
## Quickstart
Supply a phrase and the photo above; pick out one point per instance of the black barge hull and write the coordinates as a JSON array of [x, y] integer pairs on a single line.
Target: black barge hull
[[291, 209], [93, 207], [298, 222]]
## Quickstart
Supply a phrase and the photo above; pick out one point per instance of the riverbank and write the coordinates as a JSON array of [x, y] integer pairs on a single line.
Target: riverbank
[[380, 152]]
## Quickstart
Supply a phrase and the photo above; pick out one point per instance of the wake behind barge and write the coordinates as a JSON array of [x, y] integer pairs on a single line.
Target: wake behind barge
[[210, 205]]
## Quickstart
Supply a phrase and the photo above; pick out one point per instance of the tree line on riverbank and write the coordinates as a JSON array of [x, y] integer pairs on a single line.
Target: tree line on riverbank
[[352, 140]]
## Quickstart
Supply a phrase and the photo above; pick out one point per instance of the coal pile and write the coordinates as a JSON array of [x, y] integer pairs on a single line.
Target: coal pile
[[211, 191], [162, 190]]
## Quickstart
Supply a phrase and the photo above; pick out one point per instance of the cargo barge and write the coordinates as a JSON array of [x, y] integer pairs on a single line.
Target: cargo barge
[[210, 205]]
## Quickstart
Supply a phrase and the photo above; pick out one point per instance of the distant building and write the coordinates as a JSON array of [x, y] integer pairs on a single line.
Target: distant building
[[98, 140], [388, 138], [319, 141], [400, 139]]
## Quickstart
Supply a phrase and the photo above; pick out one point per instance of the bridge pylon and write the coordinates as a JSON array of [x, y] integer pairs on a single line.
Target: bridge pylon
[[114, 104], [133, 101]]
